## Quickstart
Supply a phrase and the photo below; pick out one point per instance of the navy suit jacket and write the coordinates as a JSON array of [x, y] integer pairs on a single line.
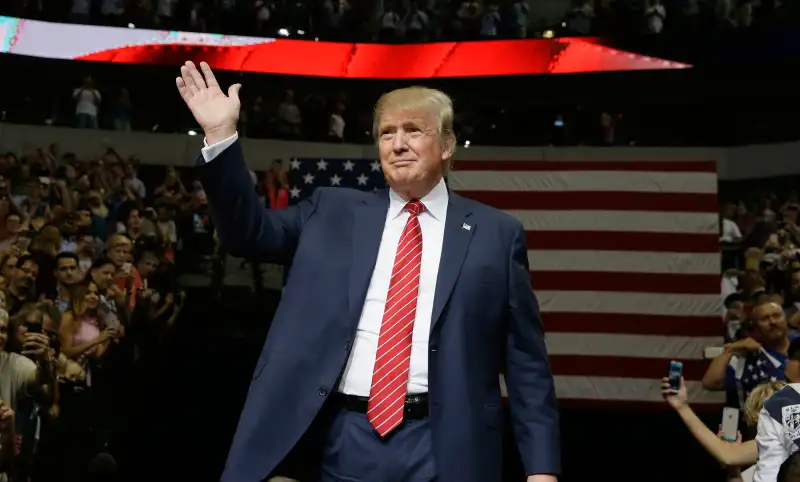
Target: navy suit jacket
[[484, 311]]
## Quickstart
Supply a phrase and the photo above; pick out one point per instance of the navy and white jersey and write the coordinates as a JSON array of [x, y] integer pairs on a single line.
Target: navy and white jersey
[[778, 432]]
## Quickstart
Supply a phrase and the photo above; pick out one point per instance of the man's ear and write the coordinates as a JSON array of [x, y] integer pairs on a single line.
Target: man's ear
[[449, 151]]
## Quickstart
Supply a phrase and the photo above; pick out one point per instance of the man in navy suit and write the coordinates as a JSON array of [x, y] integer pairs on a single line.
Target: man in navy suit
[[396, 313]]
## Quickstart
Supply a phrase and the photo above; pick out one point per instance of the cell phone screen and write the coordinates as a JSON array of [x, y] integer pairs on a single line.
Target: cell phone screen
[[675, 374]]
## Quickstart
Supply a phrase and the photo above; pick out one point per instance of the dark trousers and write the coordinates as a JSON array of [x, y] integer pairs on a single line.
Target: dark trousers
[[354, 452]]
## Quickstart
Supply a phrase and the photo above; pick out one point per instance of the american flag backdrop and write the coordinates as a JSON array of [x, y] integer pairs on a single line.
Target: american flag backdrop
[[624, 261]]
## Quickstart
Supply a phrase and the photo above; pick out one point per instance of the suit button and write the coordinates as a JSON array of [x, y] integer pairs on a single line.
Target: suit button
[[347, 346], [322, 391]]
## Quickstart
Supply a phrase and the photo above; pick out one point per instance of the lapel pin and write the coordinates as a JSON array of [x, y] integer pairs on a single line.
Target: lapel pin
[[466, 227]]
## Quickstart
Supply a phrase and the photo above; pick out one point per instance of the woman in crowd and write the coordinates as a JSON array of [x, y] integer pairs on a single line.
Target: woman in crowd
[[733, 455], [277, 186], [84, 336]]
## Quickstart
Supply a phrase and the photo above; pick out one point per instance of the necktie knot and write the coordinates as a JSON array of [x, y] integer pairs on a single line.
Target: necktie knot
[[415, 207]]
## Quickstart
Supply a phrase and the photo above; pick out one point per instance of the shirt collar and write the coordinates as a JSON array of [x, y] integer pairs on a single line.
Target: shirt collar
[[435, 202]]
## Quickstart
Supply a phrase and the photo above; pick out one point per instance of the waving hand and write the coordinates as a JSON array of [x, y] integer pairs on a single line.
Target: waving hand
[[216, 112]]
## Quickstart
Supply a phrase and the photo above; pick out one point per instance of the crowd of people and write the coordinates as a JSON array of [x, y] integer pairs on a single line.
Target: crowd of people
[[760, 287], [89, 259], [413, 20]]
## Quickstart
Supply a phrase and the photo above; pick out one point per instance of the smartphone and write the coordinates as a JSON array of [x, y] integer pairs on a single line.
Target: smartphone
[[675, 374], [730, 423], [34, 328]]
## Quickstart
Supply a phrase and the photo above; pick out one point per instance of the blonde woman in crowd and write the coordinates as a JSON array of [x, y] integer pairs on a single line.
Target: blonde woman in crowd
[[733, 455]]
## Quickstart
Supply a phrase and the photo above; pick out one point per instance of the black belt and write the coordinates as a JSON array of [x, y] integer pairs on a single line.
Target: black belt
[[416, 406]]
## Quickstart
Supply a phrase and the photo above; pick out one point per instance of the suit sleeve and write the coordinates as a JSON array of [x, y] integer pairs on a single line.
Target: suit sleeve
[[771, 451], [246, 227], [531, 391]]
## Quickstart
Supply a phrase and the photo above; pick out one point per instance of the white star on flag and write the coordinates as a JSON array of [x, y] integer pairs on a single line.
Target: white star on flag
[[336, 180], [294, 164], [376, 166], [362, 180], [308, 178], [294, 192], [349, 165], [322, 165]]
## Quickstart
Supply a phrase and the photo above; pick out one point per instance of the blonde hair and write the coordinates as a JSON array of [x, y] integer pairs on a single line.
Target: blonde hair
[[118, 240], [759, 395], [419, 99]]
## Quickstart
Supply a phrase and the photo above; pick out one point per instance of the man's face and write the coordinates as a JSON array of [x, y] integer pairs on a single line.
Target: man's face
[[770, 322], [67, 272], [134, 220], [103, 275], [86, 246], [147, 266], [410, 150], [29, 269]]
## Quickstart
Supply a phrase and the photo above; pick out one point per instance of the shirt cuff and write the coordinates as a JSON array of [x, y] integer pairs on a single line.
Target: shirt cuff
[[214, 150]]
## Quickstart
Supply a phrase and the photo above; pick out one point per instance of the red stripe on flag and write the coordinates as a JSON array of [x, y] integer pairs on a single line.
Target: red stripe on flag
[[633, 282], [623, 241], [633, 324], [624, 367], [596, 200], [555, 166]]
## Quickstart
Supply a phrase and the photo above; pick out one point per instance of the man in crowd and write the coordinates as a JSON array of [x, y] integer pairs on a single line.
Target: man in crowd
[[746, 363], [415, 262], [22, 284], [68, 274]]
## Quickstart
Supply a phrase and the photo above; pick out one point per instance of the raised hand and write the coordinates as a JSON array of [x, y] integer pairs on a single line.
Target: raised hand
[[216, 113], [676, 400]]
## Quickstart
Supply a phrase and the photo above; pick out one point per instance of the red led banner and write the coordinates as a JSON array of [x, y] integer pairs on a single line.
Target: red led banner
[[322, 59]]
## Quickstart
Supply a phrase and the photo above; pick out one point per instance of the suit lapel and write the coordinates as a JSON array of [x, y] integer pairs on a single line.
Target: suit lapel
[[368, 223], [458, 231]]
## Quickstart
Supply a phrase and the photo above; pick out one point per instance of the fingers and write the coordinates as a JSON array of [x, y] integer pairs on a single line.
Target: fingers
[[233, 91], [182, 89], [188, 81], [36, 338], [211, 81], [195, 75]]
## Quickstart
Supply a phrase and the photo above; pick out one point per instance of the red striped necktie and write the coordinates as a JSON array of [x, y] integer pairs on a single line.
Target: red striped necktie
[[387, 395]]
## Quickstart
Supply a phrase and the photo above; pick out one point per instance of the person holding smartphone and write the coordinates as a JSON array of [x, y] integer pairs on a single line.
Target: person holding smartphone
[[739, 454]]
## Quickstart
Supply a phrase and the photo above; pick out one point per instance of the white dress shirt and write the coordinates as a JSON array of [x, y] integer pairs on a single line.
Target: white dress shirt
[[357, 377]]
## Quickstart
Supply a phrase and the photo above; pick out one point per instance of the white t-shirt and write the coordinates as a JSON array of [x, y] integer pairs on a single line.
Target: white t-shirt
[[85, 101], [730, 231], [15, 371]]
